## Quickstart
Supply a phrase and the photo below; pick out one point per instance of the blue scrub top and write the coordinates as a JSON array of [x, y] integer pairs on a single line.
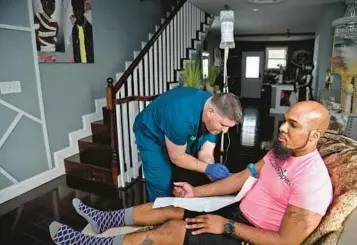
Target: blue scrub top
[[176, 114]]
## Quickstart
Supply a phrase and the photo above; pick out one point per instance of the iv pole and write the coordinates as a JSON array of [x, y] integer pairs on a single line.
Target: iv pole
[[227, 42]]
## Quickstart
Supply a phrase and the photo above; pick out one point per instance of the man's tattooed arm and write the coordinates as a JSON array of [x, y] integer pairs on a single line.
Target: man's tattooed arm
[[296, 226]]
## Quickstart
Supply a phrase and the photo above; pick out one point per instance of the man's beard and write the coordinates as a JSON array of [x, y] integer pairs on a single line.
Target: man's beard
[[281, 151]]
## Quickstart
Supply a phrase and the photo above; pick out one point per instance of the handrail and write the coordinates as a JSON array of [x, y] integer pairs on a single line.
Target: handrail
[[134, 98], [146, 49]]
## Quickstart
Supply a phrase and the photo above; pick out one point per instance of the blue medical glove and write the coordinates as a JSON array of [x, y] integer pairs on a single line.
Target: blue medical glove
[[217, 171]]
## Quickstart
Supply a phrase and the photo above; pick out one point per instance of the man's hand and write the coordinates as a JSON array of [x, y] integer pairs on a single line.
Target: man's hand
[[207, 223], [217, 171], [183, 189]]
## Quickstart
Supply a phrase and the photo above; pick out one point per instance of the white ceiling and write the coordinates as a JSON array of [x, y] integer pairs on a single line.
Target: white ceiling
[[295, 15]]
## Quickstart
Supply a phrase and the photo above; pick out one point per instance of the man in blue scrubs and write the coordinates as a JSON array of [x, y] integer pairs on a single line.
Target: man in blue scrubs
[[179, 129]]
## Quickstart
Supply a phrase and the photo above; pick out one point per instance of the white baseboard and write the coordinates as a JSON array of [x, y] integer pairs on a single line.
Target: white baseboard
[[29, 184], [72, 149]]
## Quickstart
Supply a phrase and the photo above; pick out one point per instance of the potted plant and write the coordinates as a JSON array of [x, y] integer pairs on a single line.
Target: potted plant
[[192, 75], [213, 72]]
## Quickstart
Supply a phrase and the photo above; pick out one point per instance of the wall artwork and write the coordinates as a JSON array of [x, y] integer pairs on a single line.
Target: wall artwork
[[63, 30]]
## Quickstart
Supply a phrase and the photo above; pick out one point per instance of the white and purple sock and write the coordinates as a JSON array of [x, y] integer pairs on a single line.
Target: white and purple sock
[[101, 221], [65, 235]]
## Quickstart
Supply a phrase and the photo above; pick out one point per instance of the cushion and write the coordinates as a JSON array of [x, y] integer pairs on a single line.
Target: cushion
[[340, 155]]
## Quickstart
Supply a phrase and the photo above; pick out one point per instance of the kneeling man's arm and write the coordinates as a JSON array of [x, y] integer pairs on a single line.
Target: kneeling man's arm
[[179, 157], [206, 154], [296, 226]]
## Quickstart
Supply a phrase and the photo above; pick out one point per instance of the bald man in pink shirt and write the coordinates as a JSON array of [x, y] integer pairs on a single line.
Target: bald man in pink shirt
[[292, 194]]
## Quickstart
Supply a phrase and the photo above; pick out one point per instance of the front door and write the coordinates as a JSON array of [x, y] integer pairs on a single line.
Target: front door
[[252, 74]]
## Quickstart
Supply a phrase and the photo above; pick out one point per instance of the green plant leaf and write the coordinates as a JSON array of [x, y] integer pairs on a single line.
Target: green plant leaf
[[192, 75], [213, 72]]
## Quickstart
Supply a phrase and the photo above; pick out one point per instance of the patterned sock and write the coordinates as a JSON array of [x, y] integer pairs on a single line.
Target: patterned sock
[[65, 235], [101, 221]]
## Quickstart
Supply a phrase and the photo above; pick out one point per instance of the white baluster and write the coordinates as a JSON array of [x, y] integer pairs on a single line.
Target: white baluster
[[135, 81], [175, 42], [188, 22], [133, 111], [126, 138], [178, 37], [121, 115], [182, 34], [151, 73], [164, 64], [168, 53], [193, 21], [121, 177], [198, 19], [146, 72], [172, 50], [184, 29], [160, 70], [155, 63], [141, 83]]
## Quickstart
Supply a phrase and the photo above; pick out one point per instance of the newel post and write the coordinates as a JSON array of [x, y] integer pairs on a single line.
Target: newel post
[[110, 95]]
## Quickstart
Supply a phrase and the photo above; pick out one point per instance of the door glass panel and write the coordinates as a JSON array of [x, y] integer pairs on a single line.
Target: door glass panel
[[252, 67]]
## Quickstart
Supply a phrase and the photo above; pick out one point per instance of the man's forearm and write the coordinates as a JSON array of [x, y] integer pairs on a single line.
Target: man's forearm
[[254, 235], [189, 162], [227, 186]]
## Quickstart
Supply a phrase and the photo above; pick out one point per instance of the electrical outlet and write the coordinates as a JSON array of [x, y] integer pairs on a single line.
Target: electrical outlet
[[10, 87]]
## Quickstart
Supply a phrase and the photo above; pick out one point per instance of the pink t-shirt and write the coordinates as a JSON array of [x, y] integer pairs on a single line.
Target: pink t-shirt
[[303, 182]]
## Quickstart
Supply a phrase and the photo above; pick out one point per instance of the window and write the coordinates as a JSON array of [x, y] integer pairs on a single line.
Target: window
[[276, 56]]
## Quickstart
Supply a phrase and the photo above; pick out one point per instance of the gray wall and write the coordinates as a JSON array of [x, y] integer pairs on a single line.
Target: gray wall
[[23, 154], [324, 29], [69, 90]]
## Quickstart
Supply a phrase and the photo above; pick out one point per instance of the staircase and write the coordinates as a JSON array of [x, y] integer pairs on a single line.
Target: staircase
[[110, 155]]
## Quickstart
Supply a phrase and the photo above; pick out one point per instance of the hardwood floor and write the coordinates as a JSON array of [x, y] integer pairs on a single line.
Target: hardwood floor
[[25, 219]]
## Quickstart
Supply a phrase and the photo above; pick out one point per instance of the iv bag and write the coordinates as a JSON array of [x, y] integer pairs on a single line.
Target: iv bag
[[227, 29]]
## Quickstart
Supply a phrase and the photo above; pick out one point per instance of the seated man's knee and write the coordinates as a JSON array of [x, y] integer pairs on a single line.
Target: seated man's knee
[[173, 213], [173, 229]]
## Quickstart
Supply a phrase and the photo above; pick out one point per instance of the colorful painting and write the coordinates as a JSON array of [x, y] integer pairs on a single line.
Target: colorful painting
[[63, 30]]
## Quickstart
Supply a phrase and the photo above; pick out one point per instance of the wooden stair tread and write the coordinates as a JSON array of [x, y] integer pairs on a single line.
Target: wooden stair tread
[[90, 140], [99, 122], [75, 167], [76, 159]]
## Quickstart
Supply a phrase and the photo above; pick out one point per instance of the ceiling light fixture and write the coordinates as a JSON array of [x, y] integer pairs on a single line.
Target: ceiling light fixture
[[255, 10]]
